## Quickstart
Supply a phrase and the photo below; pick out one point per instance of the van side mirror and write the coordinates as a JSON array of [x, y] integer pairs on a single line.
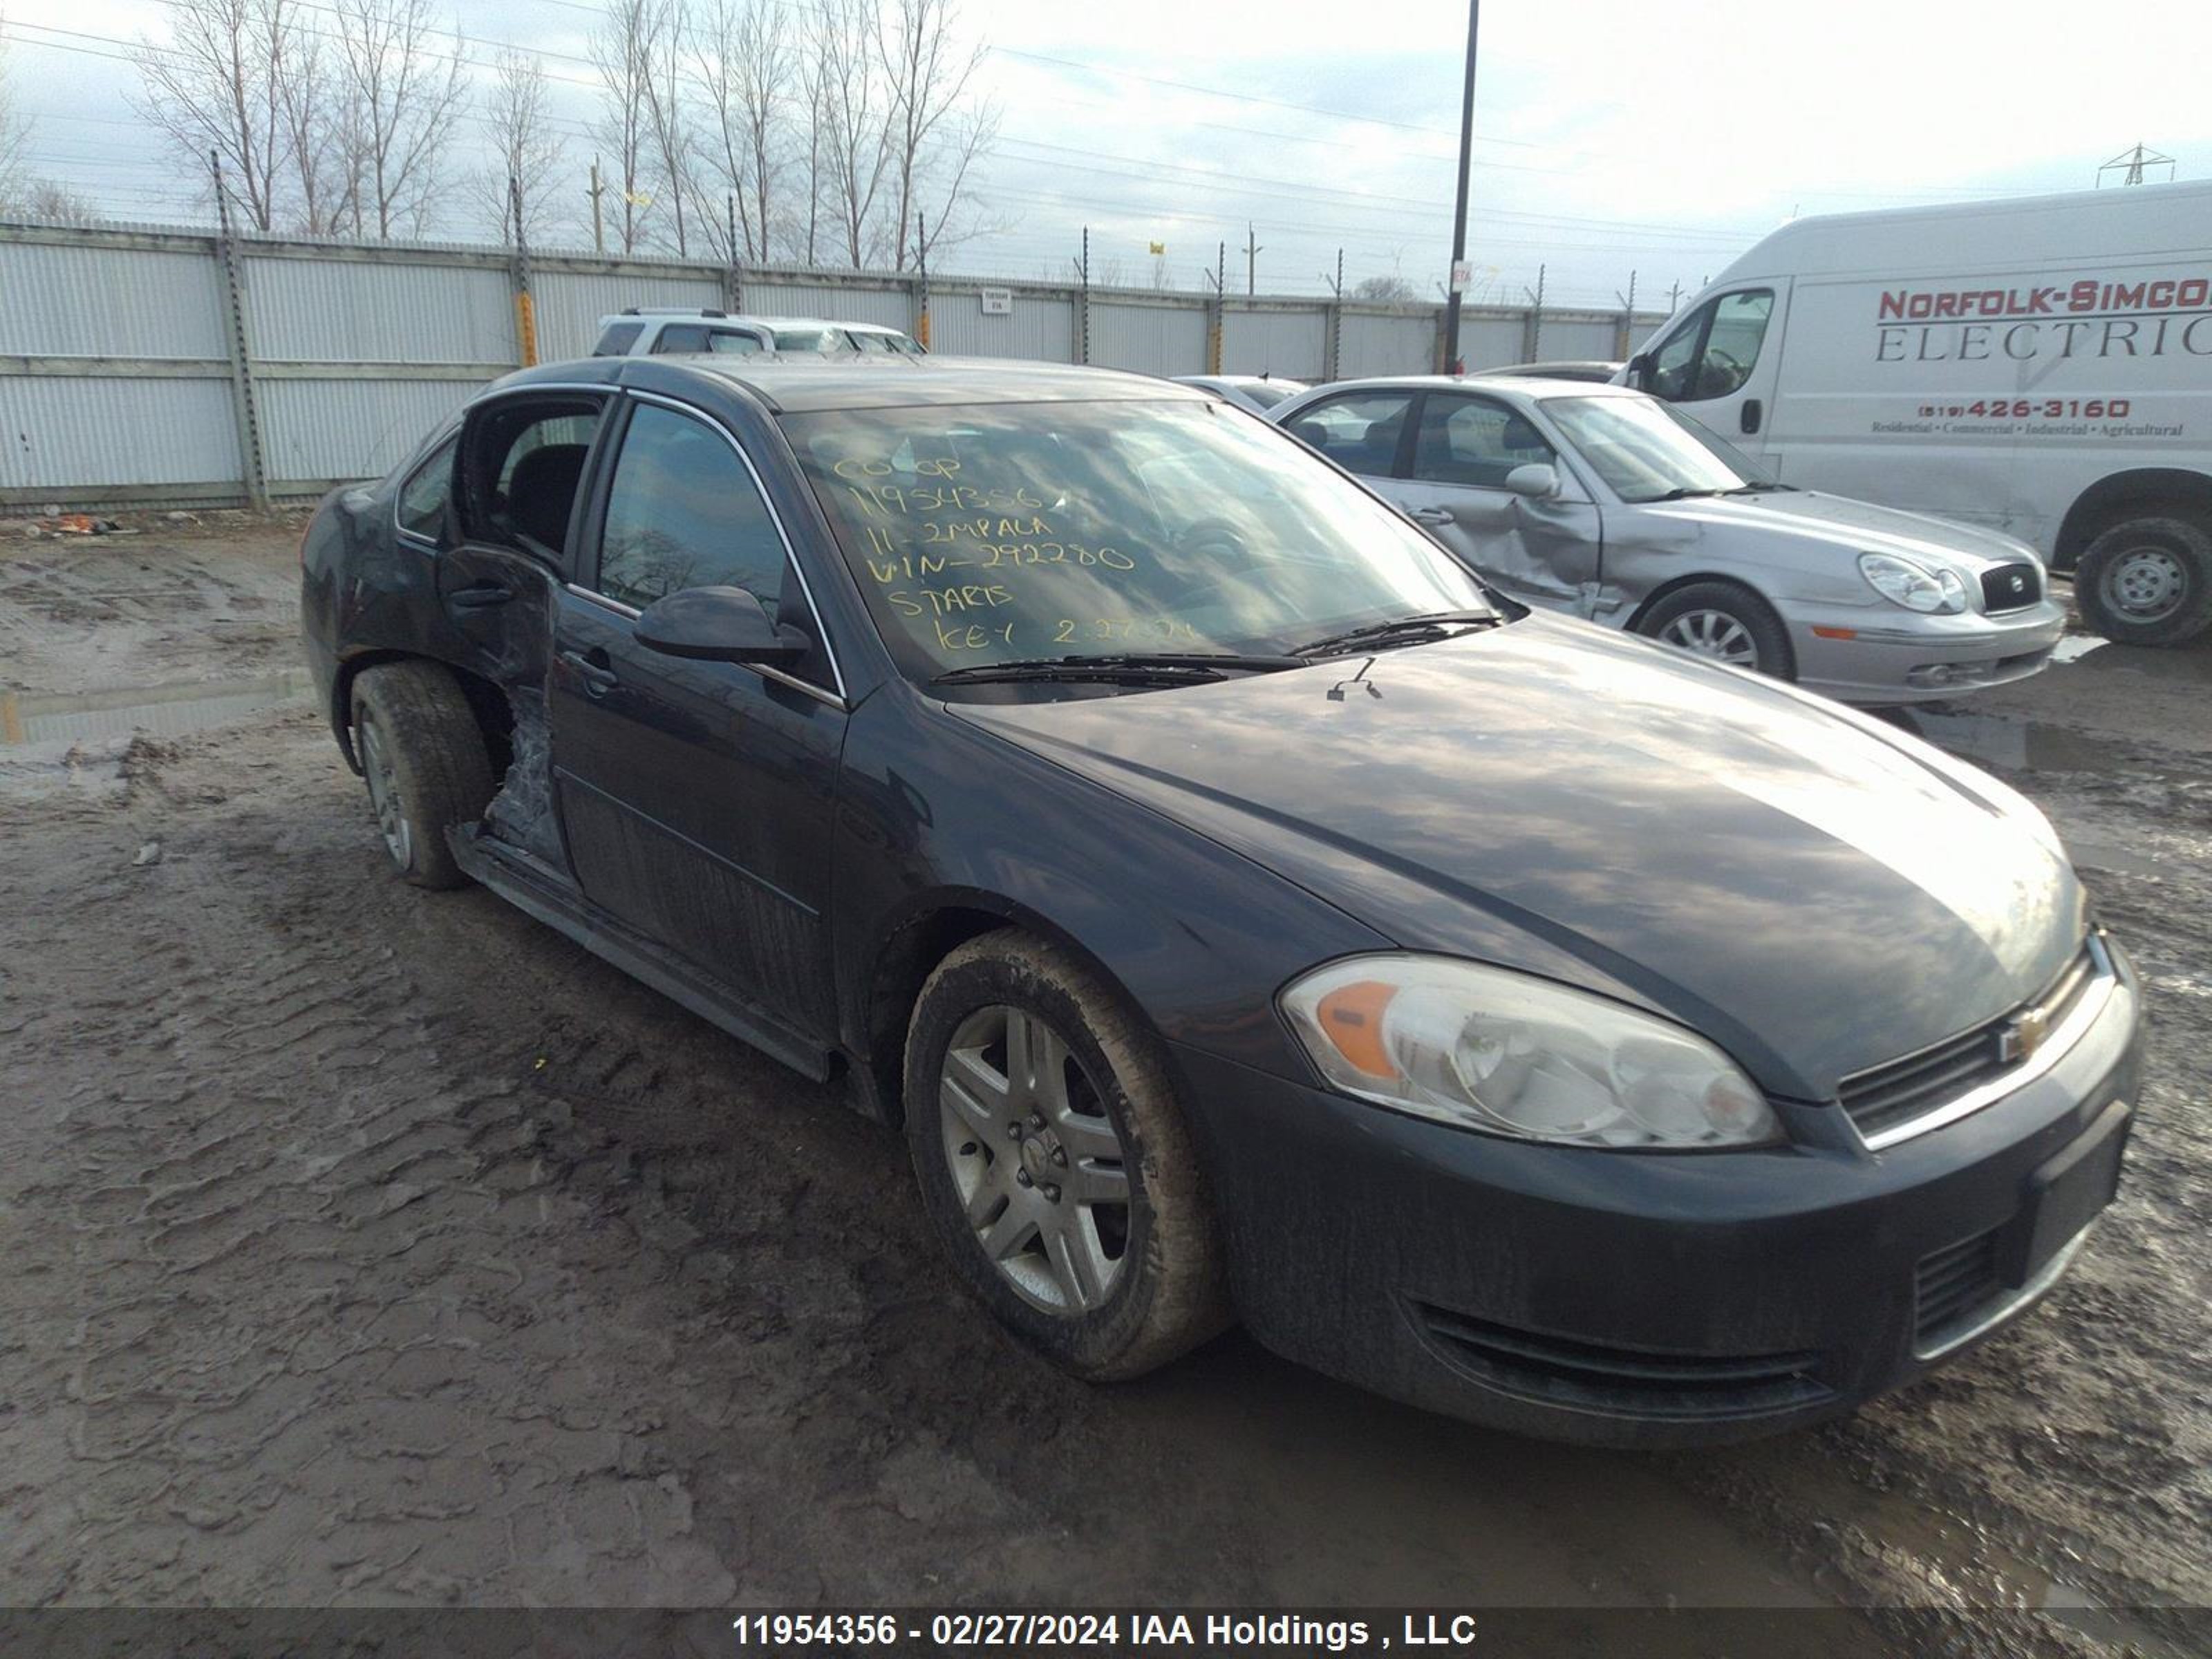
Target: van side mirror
[[1639, 371], [1536, 480], [717, 624]]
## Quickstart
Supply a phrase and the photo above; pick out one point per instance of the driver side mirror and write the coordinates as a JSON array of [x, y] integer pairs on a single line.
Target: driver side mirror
[[717, 624], [1536, 480], [1639, 371]]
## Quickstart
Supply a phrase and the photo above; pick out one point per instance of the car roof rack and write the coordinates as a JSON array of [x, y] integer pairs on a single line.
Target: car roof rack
[[672, 311]]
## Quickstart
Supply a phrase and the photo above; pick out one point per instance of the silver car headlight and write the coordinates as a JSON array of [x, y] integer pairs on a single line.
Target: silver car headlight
[[1938, 591], [1482, 1047]]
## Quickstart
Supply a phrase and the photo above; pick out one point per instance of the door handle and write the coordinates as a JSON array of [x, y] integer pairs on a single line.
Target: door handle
[[591, 667], [1430, 515], [479, 596], [1748, 420]]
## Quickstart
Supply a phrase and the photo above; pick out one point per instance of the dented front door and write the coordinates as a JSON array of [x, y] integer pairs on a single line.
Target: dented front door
[[1545, 551]]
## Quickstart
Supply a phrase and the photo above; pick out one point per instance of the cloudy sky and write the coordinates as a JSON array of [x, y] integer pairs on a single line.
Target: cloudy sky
[[1612, 137]]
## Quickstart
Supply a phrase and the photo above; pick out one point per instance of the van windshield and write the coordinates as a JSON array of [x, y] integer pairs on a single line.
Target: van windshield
[[1647, 452], [993, 533]]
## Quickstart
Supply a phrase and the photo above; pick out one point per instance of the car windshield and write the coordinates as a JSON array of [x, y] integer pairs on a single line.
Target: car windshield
[[996, 532], [1645, 452]]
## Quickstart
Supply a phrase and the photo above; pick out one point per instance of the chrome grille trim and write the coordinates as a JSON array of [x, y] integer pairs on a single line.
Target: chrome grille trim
[[2089, 1007]]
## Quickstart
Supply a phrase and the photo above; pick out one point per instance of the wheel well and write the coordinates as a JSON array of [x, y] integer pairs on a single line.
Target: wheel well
[[495, 714], [1635, 623], [2124, 494], [902, 966]]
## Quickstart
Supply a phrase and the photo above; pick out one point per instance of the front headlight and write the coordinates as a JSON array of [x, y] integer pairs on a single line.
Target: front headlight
[[1484, 1048], [1915, 586]]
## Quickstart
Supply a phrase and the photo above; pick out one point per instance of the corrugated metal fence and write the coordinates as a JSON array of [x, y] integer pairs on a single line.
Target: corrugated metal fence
[[162, 367]]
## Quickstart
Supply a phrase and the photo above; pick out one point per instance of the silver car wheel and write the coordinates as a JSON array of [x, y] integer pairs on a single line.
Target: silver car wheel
[[384, 795], [2144, 584], [1039, 1168], [1713, 634]]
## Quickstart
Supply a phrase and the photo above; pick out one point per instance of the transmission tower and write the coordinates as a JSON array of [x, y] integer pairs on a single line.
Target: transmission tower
[[2132, 162]]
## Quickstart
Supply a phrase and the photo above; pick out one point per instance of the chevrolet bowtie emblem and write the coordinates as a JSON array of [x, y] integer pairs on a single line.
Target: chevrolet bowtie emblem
[[2023, 1035]]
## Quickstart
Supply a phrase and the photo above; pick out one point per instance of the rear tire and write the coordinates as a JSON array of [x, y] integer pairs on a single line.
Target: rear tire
[[2147, 581], [423, 757], [1054, 1164], [1725, 623]]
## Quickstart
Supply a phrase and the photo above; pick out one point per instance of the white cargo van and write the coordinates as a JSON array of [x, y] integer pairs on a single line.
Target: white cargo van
[[2041, 366]]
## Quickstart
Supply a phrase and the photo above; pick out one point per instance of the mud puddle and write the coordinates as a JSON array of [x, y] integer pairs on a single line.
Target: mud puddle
[[2015, 744]]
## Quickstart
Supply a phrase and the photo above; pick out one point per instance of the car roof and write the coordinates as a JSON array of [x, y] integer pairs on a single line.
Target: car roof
[[667, 314], [1510, 385], [885, 382]]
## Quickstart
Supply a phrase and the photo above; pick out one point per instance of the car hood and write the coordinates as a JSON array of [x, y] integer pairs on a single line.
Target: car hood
[[1811, 889], [1853, 526]]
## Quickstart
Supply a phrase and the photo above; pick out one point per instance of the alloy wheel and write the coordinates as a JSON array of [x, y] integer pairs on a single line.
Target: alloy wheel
[[2144, 584], [384, 795], [1041, 1171], [1713, 634]]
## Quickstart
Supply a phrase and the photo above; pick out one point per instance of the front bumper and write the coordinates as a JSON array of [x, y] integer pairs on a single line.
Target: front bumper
[[1894, 656], [1631, 1298]]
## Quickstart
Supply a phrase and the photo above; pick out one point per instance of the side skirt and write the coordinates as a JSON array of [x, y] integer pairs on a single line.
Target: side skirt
[[536, 890]]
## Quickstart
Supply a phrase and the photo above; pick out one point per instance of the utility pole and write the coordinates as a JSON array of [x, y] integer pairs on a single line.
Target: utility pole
[[1252, 251], [599, 229], [1452, 363]]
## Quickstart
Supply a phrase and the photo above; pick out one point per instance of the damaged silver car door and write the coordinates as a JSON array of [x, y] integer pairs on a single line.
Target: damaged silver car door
[[1482, 479]]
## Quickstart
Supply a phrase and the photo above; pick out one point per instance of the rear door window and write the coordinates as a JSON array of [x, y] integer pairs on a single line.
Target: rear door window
[[618, 339], [680, 338], [522, 468], [1359, 431], [734, 343], [1473, 441]]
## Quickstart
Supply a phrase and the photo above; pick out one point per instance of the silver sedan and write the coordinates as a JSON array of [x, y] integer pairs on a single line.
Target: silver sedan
[[1607, 504]]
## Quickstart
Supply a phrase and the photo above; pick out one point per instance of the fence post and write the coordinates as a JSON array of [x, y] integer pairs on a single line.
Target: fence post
[[1531, 325], [526, 307], [243, 404]]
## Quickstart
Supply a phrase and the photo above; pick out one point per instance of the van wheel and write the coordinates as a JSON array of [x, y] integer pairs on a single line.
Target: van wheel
[[1055, 1164], [1726, 623], [423, 758], [2147, 581]]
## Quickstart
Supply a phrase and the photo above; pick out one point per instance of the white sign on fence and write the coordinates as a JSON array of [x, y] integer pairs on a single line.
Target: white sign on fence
[[998, 302], [1462, 274]]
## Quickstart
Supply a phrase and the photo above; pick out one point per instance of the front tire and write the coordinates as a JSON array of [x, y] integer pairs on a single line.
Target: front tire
[[1724, 623], [423, 758], [1055, 1163], [2147, 581]]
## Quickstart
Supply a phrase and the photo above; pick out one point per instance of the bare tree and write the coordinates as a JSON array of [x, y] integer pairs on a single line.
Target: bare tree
[[322, 145], [15, 131], [1384, 290], [623, 51], [216, 86], [933, 131], [667, 121], [57, 204], [403, 97], [748, 69], [849, 114], [526, 150]]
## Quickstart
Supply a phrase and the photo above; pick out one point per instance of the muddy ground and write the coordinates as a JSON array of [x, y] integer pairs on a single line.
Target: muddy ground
[[359, 1245]]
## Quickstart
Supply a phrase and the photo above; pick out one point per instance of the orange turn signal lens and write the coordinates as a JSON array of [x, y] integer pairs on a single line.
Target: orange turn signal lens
[[1351, 1019], [1835, 633]]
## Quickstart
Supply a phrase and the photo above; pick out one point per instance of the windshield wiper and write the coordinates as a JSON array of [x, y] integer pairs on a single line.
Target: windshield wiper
[[1158, 668], [1683, 493], [1400, 630]]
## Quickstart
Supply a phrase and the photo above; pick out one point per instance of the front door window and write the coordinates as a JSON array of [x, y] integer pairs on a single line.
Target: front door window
[[1712, 353]]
